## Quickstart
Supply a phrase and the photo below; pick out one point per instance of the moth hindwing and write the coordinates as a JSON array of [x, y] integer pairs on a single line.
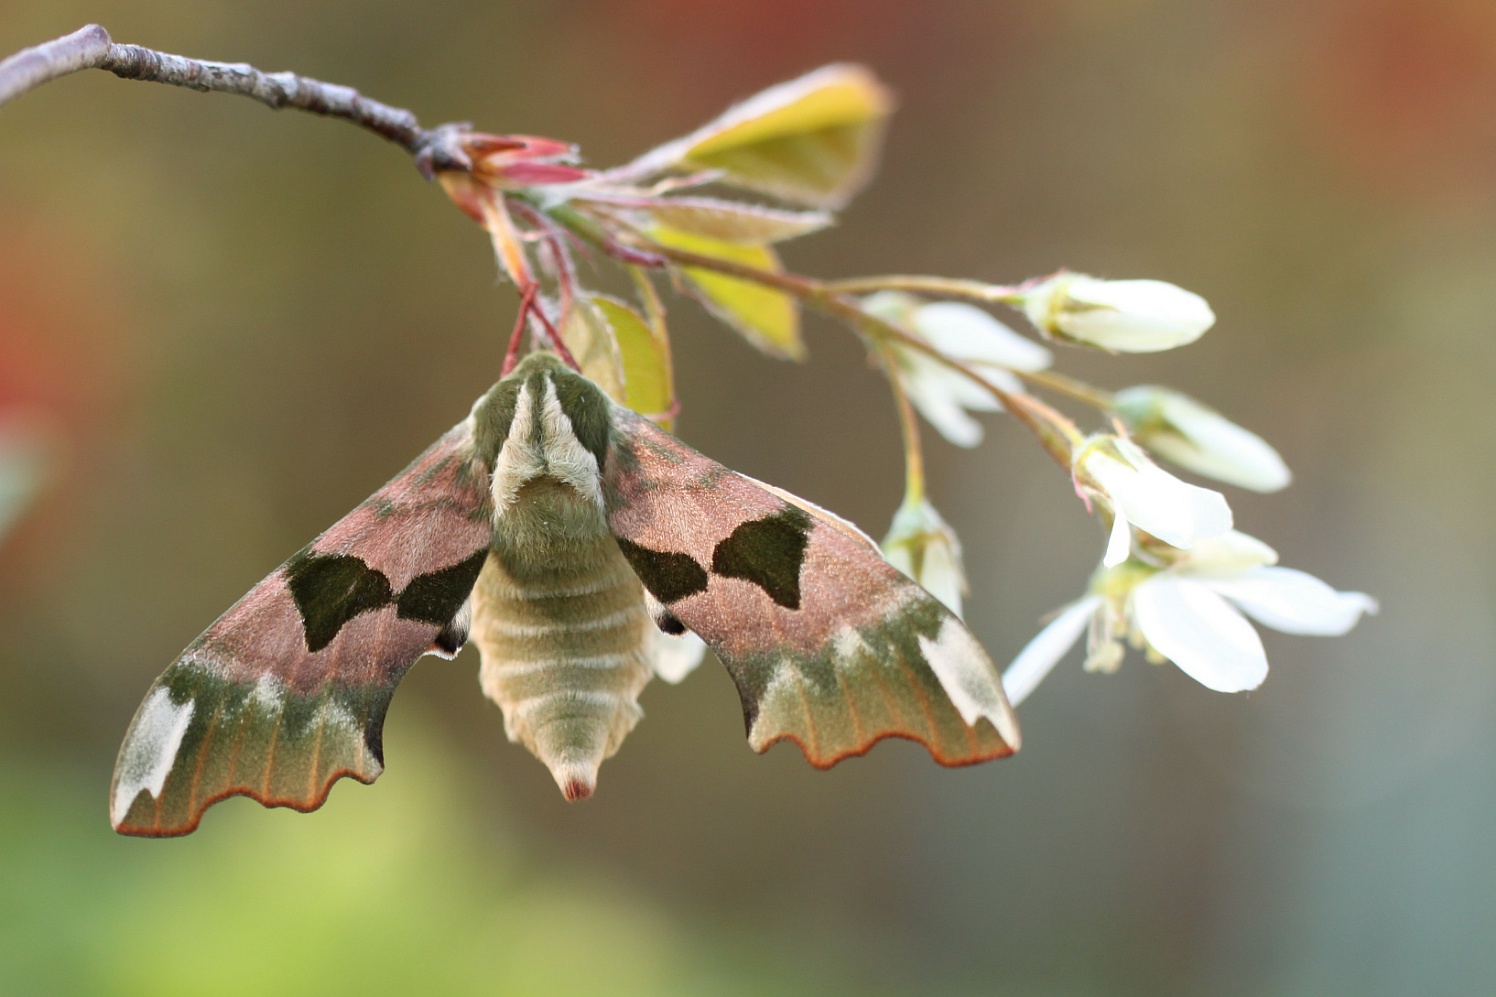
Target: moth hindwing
[[570, 535]]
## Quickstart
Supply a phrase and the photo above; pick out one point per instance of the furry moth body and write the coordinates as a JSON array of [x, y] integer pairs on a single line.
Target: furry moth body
[[569, 536]]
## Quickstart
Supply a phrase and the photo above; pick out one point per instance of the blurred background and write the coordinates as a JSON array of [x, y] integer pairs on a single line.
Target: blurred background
[[222, 327]]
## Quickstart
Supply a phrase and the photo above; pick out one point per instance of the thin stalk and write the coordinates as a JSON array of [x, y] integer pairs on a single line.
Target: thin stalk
[[511, 356], [1062, 384], [945, 287], [1055, 432], [914, 457]]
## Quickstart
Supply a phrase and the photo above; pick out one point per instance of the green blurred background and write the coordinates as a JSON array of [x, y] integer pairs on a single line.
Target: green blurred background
[[236, 324]]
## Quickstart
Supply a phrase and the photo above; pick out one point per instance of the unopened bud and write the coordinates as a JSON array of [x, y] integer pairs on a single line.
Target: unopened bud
[[1132, 316]]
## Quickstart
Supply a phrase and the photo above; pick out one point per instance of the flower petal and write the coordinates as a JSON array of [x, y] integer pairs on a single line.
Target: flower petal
[[1151, 498], [1220, 449], [942, 411], [1295, 602], [1209, 511], [1200, 632], [966, 332], [1226, 556], [676, 657], [936, 378], [942, 576], [1119, 544], [1049, 645]]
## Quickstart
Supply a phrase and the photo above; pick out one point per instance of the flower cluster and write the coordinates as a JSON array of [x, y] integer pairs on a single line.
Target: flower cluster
[[1186, 606]]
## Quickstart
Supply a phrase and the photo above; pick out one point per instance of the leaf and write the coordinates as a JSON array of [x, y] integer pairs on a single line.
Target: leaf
[[813, 140], [647, 377], [588, 334], [727, 221], [767, 318]]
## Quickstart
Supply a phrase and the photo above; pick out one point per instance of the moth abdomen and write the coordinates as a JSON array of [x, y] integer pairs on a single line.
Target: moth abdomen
[[566, 641]]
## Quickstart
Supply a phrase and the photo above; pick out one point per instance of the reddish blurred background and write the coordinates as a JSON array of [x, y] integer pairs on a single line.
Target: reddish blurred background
[[235, 324]]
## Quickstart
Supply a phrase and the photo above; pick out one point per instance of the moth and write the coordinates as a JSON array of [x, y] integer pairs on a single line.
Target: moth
[[570, 539]]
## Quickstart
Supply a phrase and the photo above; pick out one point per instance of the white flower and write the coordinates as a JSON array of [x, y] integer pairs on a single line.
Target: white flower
[[1134, 316], [674, 657], [962, 332], [1190, 613], [1142, 494], [922, 546], [1199, 439]]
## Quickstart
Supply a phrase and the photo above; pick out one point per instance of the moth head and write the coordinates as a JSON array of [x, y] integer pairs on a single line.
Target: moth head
[[544, 421]]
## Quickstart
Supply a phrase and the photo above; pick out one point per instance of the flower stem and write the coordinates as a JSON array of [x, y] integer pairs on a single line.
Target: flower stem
[[1061, 384], [946, 287], [914, 456], [1055, 432]]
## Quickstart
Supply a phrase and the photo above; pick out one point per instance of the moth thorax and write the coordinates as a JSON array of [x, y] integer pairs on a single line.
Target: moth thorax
[[542, 442], [550, 533], [560, 621]]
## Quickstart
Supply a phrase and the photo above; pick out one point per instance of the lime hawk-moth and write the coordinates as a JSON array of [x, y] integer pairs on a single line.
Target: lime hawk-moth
[[569, 537]]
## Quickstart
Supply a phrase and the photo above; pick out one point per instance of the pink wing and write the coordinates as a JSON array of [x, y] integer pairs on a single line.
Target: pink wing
[[829, 645], [287, 691]]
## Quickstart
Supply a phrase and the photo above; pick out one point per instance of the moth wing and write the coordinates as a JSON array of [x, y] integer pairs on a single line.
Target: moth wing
[[287, 691], [829, 645]]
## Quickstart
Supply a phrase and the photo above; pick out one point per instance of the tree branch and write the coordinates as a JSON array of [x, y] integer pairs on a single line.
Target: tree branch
[[433, 149]]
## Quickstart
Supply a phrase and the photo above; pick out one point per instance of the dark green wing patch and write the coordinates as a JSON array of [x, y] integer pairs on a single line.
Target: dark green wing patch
[[768, 552], [436, 597], [667, 575], [331, 589]]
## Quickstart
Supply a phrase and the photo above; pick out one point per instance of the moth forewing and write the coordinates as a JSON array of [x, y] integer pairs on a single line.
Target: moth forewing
[[287, 691], [829, 645]]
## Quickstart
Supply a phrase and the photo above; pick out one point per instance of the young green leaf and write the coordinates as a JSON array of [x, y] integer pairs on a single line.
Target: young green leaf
[[589, 336], [648, 386], [769, 319], [727, 221], [812, 140]]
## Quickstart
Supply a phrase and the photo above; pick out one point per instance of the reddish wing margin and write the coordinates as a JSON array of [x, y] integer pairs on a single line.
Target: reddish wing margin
[[287, 691]]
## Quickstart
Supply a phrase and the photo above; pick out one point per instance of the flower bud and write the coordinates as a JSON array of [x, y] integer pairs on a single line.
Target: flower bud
[[1199, 439], [922, 546], [1133, 316]]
